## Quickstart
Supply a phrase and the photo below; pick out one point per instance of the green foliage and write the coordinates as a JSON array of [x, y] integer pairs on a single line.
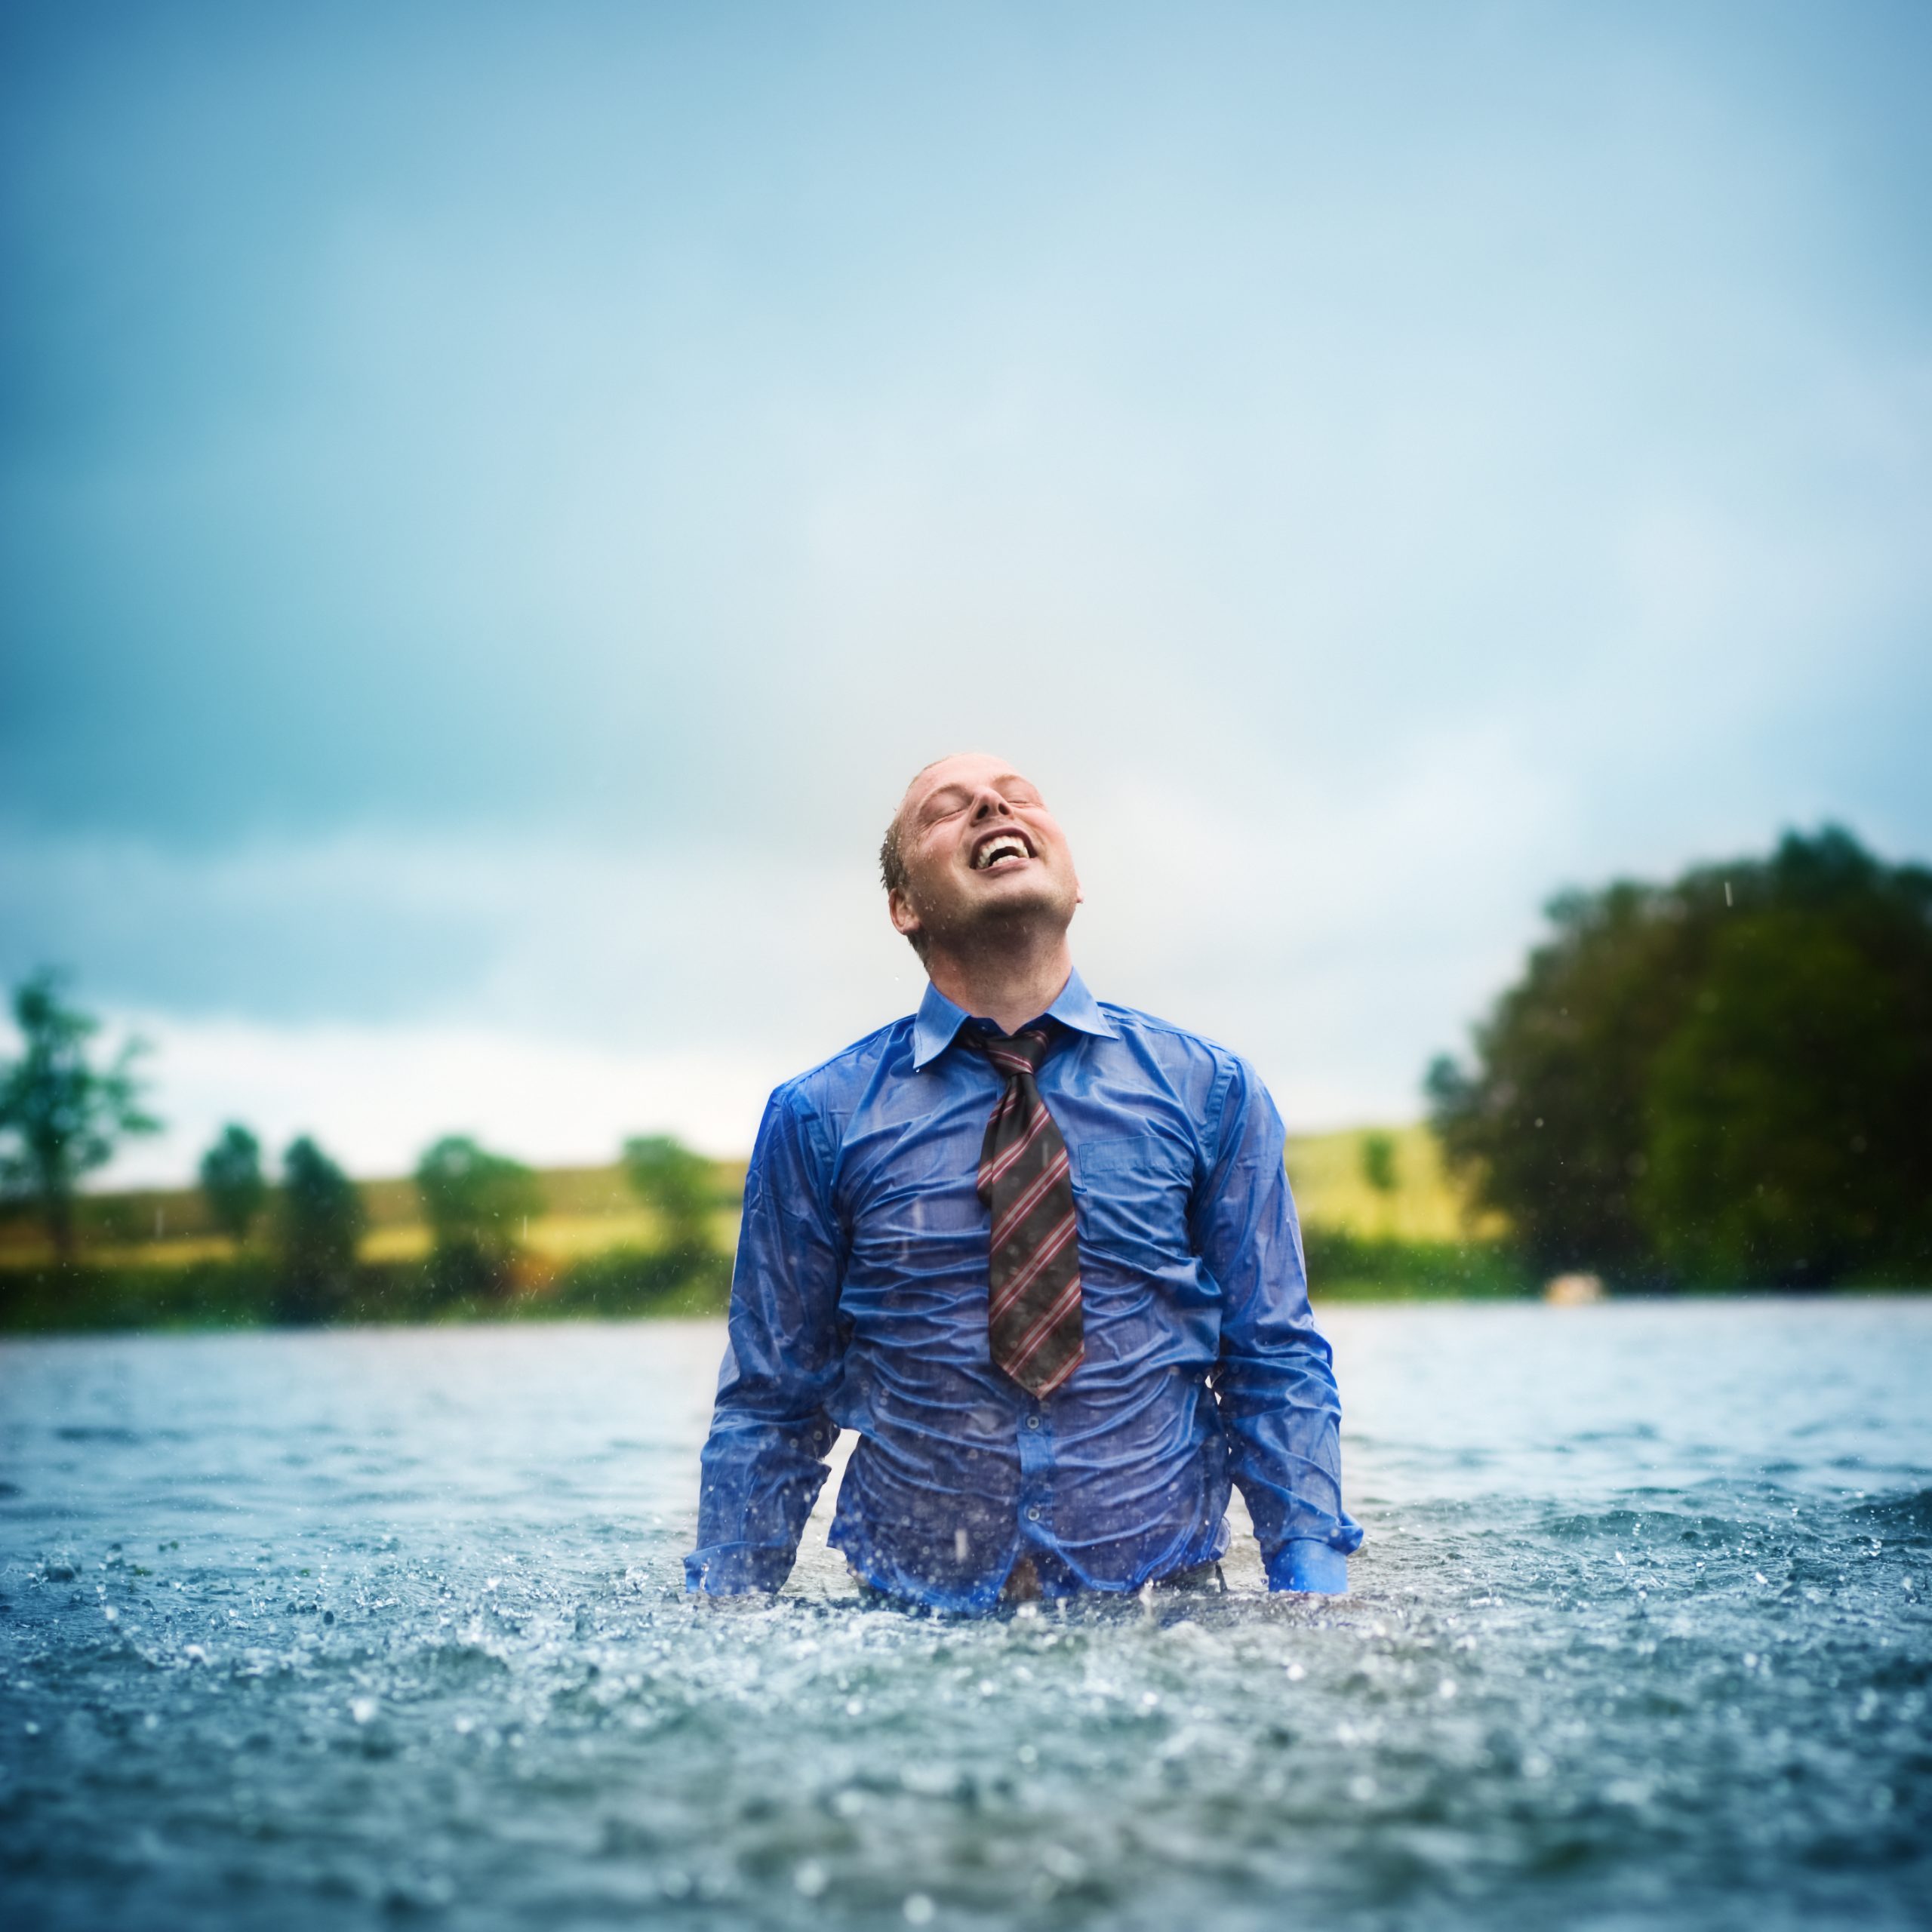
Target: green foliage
[[677, 1185], [1726, 1079], [247, 1293], [476, 1203], [1343, 1267], [321, 1219], [233, 1182], [625, 1281], [1378, 1162], [62, 1113]]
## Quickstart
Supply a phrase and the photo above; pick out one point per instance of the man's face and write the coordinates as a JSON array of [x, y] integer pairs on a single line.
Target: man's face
[[981, 851]]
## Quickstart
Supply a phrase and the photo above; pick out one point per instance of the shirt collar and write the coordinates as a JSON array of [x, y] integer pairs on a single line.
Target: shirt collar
[[938, 1019]]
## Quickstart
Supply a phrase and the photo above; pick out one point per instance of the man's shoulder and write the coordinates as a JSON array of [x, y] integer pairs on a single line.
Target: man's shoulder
[[834, 1079], [1169, 1041], [1213, 1082]]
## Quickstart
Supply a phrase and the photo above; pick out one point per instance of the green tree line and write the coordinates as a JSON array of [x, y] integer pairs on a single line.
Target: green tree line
[[62, 1115], [1726, 1079]]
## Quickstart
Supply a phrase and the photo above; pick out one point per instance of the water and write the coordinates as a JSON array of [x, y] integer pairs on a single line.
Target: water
[[312, 1631]]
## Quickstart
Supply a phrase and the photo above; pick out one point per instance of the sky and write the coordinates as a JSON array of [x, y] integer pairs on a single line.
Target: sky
[[495, 503]]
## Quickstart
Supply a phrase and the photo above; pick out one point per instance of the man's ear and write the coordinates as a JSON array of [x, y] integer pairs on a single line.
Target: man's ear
[[905, 920]]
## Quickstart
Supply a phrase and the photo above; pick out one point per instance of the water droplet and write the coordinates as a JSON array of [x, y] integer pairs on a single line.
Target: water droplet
[[1447, 1688], [362, 1710], [810, 1878], [918, 1908], [1296, 1673]]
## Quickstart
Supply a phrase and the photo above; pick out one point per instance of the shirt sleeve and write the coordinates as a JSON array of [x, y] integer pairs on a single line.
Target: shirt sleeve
[[763, 1463], [1274, 1381]]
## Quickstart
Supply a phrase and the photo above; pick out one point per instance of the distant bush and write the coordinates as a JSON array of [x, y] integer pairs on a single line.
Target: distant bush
[[52, 1298], [1352, 1266], [680, 1187], [60, 1298], [319, 1219], [233, 1182], [1723, 1080], [476, 1204], [630, 1280]]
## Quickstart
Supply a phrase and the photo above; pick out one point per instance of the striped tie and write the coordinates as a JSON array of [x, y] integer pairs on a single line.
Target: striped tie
[[1033, 1302]]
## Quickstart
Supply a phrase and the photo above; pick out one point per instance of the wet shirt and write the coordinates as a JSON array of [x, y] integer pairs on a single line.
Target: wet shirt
[[860, 1301]]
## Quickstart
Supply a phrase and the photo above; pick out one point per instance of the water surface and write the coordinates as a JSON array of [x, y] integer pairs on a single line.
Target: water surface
[[322, 1630]]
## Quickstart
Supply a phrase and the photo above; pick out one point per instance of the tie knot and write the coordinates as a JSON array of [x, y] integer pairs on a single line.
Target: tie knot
[[1018, 1052]]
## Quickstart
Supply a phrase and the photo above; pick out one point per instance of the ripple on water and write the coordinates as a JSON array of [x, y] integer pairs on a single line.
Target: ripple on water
[[1695, 1697]]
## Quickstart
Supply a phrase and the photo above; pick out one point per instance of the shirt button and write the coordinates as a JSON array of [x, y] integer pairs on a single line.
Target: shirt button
[[1033, 1515], [1032, 1422]]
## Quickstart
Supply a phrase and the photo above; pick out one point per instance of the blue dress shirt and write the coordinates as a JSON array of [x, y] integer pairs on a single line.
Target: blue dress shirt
[[860, 1300]]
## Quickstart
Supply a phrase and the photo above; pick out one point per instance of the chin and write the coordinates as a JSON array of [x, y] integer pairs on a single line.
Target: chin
[[1032, 901]]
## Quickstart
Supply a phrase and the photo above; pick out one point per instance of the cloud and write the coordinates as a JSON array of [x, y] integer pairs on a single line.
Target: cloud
[[494, 508]]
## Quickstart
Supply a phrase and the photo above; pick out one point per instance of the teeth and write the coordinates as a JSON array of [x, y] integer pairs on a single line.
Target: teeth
[[1000, 848]]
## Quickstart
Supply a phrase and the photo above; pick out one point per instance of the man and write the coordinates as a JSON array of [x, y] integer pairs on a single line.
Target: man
[[1039, 1252]]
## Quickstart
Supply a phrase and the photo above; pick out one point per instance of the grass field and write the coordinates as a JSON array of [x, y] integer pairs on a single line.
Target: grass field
[[588, 1211], [1331, 1188]]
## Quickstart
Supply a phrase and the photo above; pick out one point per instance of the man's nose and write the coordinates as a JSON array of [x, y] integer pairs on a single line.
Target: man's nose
[[989, 801]]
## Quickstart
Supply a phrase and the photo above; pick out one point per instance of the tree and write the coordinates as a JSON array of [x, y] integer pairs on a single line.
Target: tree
[[233, 1183], [321, 1218], [679, 1188], [63, 1114], [1378, 1161], [476, 1203], [1377, 1154], [1724, 1079]]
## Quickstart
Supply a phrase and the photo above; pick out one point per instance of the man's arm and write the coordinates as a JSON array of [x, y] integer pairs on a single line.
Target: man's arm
[[769, 1427], [1273, 1381]]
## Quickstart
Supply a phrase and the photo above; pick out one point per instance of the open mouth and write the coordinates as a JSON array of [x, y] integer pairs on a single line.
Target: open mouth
[[1001, 848]]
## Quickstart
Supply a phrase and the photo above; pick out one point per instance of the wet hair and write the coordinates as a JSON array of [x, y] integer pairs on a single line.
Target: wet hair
[[892, 860]]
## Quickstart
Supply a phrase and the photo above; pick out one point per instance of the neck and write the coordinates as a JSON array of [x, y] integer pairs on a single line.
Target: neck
[[1009, 986]]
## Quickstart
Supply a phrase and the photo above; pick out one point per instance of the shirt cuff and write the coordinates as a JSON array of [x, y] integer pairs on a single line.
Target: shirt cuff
[[1305, 1564], [736, 1569]]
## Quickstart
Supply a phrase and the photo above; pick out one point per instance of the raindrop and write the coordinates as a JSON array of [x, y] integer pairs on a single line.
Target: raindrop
[[810, 1878], [918, 1908]]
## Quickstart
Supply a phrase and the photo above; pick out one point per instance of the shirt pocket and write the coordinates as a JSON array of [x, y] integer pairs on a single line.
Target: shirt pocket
[[1132, 1192]]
